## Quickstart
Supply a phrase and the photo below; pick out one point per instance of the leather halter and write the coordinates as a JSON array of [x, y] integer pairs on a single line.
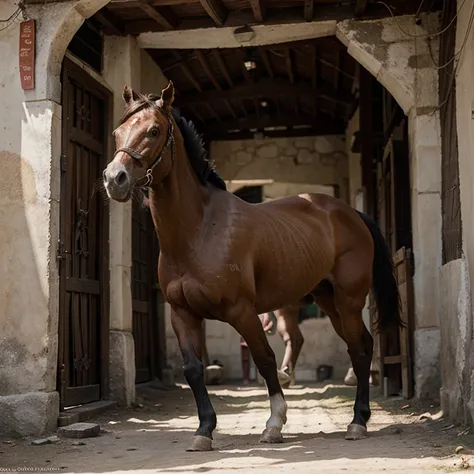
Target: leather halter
[[138, 156]]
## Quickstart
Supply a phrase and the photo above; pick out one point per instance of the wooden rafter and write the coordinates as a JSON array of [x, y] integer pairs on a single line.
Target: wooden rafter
[[231, 109], [308, 10], [223, 67], [259, 8], [213, 111], [164, 16], [289, 132], [256, 122], [266, 61], [361, 6], [269, 88], [110, 21], [289, 65], [207, 69], [187, 71], [216, 10]]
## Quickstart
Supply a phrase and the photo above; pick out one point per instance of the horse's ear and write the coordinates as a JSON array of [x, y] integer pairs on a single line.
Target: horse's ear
[[129, 95], [167, 97]]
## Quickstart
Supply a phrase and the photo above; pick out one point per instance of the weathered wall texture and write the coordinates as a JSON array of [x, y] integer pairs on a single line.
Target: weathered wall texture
[[402, 63], [312, 160], [29, 146], [456, 340], [457, 344]]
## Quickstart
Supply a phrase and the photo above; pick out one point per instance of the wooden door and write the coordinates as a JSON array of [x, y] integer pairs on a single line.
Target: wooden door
[[83, 244], [147, 302]]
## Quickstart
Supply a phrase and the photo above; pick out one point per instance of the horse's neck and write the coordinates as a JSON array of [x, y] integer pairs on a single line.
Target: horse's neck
[[178, 205]]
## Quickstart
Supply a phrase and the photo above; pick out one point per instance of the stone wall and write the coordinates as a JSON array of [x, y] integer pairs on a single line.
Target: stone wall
[[457, 277], [312, 160]]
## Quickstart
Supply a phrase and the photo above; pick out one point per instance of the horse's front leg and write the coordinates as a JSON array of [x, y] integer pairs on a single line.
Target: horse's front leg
[[188, 330], [248, 324]]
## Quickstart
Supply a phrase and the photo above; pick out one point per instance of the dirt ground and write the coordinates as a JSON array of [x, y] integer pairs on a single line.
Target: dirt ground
[[152, 437]]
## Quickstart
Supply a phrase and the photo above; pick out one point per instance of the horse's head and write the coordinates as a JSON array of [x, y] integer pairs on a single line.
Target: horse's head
[[144, 144]]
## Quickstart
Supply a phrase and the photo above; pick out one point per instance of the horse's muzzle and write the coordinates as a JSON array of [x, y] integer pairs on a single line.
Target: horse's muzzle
[[117, 182]]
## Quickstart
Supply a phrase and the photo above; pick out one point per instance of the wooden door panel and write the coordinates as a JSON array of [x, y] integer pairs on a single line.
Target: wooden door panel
[[83, 249]]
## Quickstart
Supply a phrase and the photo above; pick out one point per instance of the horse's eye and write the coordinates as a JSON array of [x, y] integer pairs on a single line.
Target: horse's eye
[[154, 132]]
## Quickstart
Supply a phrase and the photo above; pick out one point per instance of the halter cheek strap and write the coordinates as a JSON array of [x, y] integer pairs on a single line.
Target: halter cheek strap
[[138, 156]]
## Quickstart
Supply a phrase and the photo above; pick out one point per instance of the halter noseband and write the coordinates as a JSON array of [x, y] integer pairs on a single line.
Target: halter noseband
[[138, 156]]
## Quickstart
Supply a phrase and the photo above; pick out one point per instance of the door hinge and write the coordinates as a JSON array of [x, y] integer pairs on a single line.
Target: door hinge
[[63, 162], [61, 254]]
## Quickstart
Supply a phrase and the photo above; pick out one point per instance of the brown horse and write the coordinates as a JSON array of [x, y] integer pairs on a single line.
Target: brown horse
[[223, 258], [289, 330]]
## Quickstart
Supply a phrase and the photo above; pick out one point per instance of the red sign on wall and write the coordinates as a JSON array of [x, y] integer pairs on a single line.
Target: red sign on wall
[[27, 54]]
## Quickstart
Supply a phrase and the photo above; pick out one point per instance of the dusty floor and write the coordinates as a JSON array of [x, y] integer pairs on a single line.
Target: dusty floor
[[153, 437]]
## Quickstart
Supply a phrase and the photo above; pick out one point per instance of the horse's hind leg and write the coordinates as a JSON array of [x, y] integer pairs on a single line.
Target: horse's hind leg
[[248, 324], [345, 312], [351, 290], [188, 330]]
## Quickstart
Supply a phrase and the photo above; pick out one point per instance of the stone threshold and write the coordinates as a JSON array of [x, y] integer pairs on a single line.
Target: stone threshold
[[84, 412]]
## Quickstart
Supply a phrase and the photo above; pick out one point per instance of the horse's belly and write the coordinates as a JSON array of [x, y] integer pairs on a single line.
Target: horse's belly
[[287, 285]]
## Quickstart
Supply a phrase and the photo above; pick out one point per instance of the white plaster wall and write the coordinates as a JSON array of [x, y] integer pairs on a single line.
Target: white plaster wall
[[29, 195], [152, 79], [312, 160], [465, 129]]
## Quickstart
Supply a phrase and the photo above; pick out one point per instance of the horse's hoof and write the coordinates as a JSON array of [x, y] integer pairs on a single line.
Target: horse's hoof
[[355, 432], [283, 378], [271, 436], [200, 443]]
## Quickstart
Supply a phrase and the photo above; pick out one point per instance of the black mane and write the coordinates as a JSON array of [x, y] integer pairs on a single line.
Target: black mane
[[193, 141]]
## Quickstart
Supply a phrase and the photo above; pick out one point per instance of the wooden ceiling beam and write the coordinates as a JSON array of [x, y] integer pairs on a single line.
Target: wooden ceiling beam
[[289, 66], [231, 109], [164, 16], [267, 88], [360, 7], [259, 8], [308, 10], [223, 67], [111, 22], [207, 69], [187, 71], [216, 10], [266, 61], [294, 132], [256, 122]]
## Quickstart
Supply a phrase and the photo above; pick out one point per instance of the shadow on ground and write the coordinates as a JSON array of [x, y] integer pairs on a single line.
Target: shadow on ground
[[153, 436]]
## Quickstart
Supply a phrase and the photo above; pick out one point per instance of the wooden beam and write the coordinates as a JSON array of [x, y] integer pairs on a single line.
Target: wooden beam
[[259, 8], [361, 6], [294, 132], [266, 61], [213, 111], [289, 66], [308, 10], [216, 10], [110, 21], [231, 109], [163, 16], [256, 122], [207, 69], [187, 71], [223, 67], [267, 88]]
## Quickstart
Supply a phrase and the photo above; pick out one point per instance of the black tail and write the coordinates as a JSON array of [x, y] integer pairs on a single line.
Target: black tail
[[385, 286]]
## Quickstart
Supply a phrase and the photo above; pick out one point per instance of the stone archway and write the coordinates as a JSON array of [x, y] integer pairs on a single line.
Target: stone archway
[[398, 55]]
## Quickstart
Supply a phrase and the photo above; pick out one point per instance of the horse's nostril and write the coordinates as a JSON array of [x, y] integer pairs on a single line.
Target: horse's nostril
[[121, 178], [104, 176]]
